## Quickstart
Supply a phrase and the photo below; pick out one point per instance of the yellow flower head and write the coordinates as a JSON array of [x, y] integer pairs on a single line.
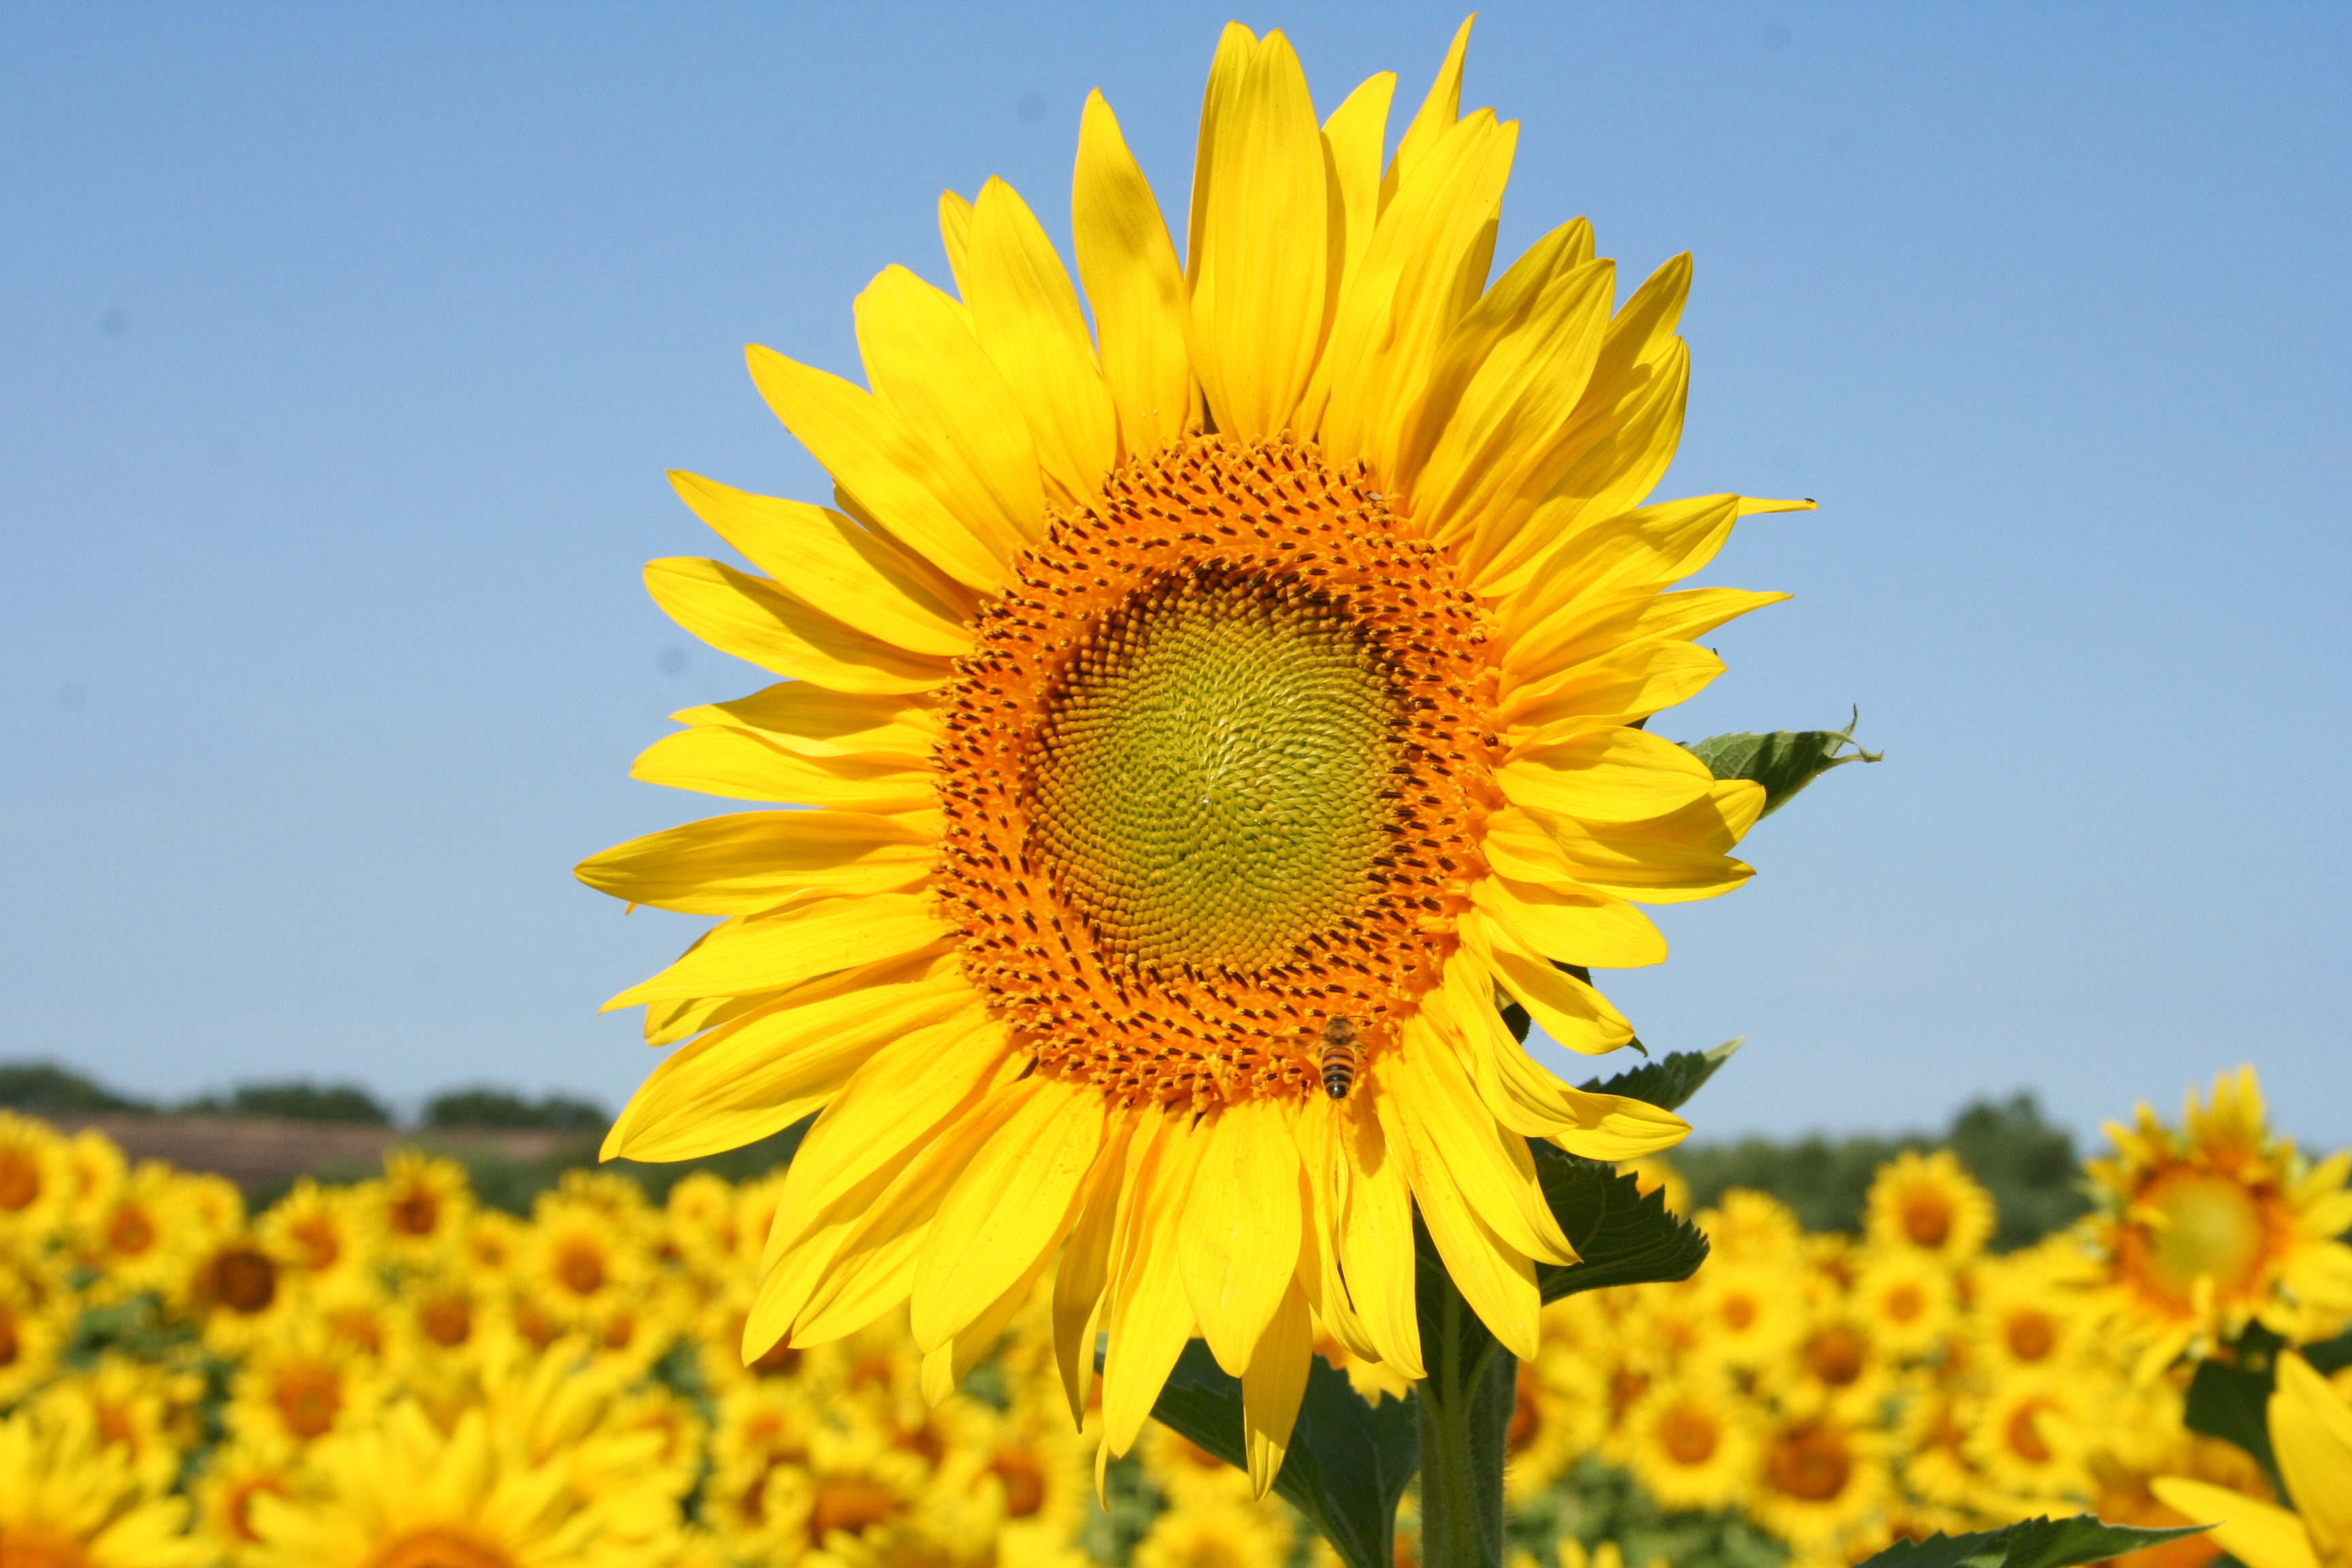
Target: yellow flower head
[[1929, 1204], [1207, 715], [37, 1181], [420, 1209], [1816, 1478], [33, 1326], [2207, 1228], [1227, 1533], [2032, 1440], [234, 1474], [139, 1235], [300, 1386], [323, 1233], [1908, 1300], [76, 1502], [1691, 1444], [140, 1413]]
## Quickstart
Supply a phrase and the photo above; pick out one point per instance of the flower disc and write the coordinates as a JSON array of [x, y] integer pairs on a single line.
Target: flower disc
[[1210, 773]]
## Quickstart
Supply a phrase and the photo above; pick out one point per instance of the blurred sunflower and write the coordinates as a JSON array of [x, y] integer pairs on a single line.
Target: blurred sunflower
[[75, 1503], [2026, 1314], [138, 1412], [2205, 1229], [420, 1208], [1690, 1444], [2031, 1442], [32, 1331], [1277, 659], [1222, 1534], [1907, 1299], [234, 1474], [36, 1186], [297, 1387], [1930, 1203], [1816, 1478], [322, 1232]]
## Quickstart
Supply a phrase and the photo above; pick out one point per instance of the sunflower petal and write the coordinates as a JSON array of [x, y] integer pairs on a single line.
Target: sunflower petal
[[872, 454], [1085, 1268], [1452, 1133], [1376, 1236], [748, 617], [2311, 1427], [925, 364], [1608, 773], [1151, 1314], [1260, 264], [1132, 280], [990, 1234], [1439, 111], [1028, 318], [1353, 134], [1572, 925], [828, 562], [1239, 1236], [1533, 1103], [761, 952], [1626, 684], [1272, 1387], [812, 721], [1571, 1012], [740, 764], [2257, 1533], [740, 863]]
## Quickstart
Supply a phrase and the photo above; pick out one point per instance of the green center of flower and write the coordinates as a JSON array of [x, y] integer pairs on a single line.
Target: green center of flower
[[1210, 783], [2212, 1226]]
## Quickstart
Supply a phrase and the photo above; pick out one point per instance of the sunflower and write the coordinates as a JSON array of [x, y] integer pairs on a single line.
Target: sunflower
[[2125, 1493], [299, 1386], [238, 1288], [1816, 1478], [139, 1237], [94, 1169], [2027, 1315], [234, 1474], [1930, 1202], [141, 1412], [1691, 1444], [1751, 1315], [72, 1502], [322, 1234], [36, 1184], [403, 1494], [1042, 1473], [1279, 660], [1222, 1534], [1186, 1474], [32, 1331], [575, 1262], [2031, 1440], [1751, 1228], [1907, 1299], [420, 1208], [1558, 1412], [2205, 1229]]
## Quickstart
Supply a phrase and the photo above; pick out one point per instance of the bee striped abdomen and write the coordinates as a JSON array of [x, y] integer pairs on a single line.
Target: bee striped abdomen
[[1339, 1057]]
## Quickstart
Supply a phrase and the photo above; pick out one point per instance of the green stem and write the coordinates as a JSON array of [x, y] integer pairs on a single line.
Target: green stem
[[1466, 1402]]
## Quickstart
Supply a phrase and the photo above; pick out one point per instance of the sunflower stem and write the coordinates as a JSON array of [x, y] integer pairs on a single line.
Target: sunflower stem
[[1466, 1402]]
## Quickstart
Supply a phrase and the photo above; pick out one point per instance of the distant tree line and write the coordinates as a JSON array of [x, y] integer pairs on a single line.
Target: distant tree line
[[44, 1088]]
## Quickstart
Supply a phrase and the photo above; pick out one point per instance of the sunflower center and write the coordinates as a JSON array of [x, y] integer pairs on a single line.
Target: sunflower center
[[2211, 1227], [1212, 774], [431, 1548], [20, 1179], [1209, 775], [1810, 1461], [1926, 1218], [244, 1280], [23, 1546], [1687, 1435], [307, 1401], [130, 1231], [1836, 1354], [2032, 1335]]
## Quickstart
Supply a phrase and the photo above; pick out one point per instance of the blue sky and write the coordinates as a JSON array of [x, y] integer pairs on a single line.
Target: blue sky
[[342, 350]]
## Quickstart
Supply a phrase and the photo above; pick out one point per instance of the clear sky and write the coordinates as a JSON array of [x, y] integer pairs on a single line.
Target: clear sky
[[342, 350]]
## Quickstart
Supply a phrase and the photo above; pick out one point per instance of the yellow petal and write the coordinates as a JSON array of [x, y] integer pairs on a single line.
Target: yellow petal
[[1239, 1236], [1572, 1013], [1272, 1387], [1439, 111], [2311, 1427], [812, 721], [1628, 683], [1671, 859], [1580, 627], [1129, 265], [828, 562], [955, 237], [1521, 368], [955, 1359], [1375, 1236], [1353, 134], [926, 364], [761, 952], [1151, 1314], [746, 616], [1319, 1273], [1608, 774], [1572, 925], [872, 454], [1426, 267], [737, 865], [1010, 1208], [742, 765], [1453, 1134], [667, 1023], [1530, 1101], [2258, 1534], [1028, 318], [1085, 1266], [1498, 1281], [758, 1074], [1260, 267]]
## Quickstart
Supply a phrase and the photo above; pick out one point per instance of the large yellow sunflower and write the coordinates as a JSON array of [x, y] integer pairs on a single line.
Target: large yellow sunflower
[[1207, 718], [2206, 1228]]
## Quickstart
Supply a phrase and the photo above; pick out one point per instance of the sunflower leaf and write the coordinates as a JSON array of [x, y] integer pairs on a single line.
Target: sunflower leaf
[[1621, 1236], [1670, 1081], [1784, 761], [1349, 1461], [2029, 1544]]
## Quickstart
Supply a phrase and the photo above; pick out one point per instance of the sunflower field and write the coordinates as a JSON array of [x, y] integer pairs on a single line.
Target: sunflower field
[[390, 1374]]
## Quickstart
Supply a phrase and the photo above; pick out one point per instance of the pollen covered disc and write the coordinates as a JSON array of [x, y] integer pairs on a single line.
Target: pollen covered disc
[[1209, 773]]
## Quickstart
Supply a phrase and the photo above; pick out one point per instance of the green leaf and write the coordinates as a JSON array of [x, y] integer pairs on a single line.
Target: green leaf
[[2231, 1401], [1620, 1236], [2028, 1544], [1670, 1081], [1783, 761], [1347, 1463]]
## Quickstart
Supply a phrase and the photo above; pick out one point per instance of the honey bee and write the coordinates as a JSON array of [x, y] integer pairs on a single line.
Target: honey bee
[[1339, 1055]]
